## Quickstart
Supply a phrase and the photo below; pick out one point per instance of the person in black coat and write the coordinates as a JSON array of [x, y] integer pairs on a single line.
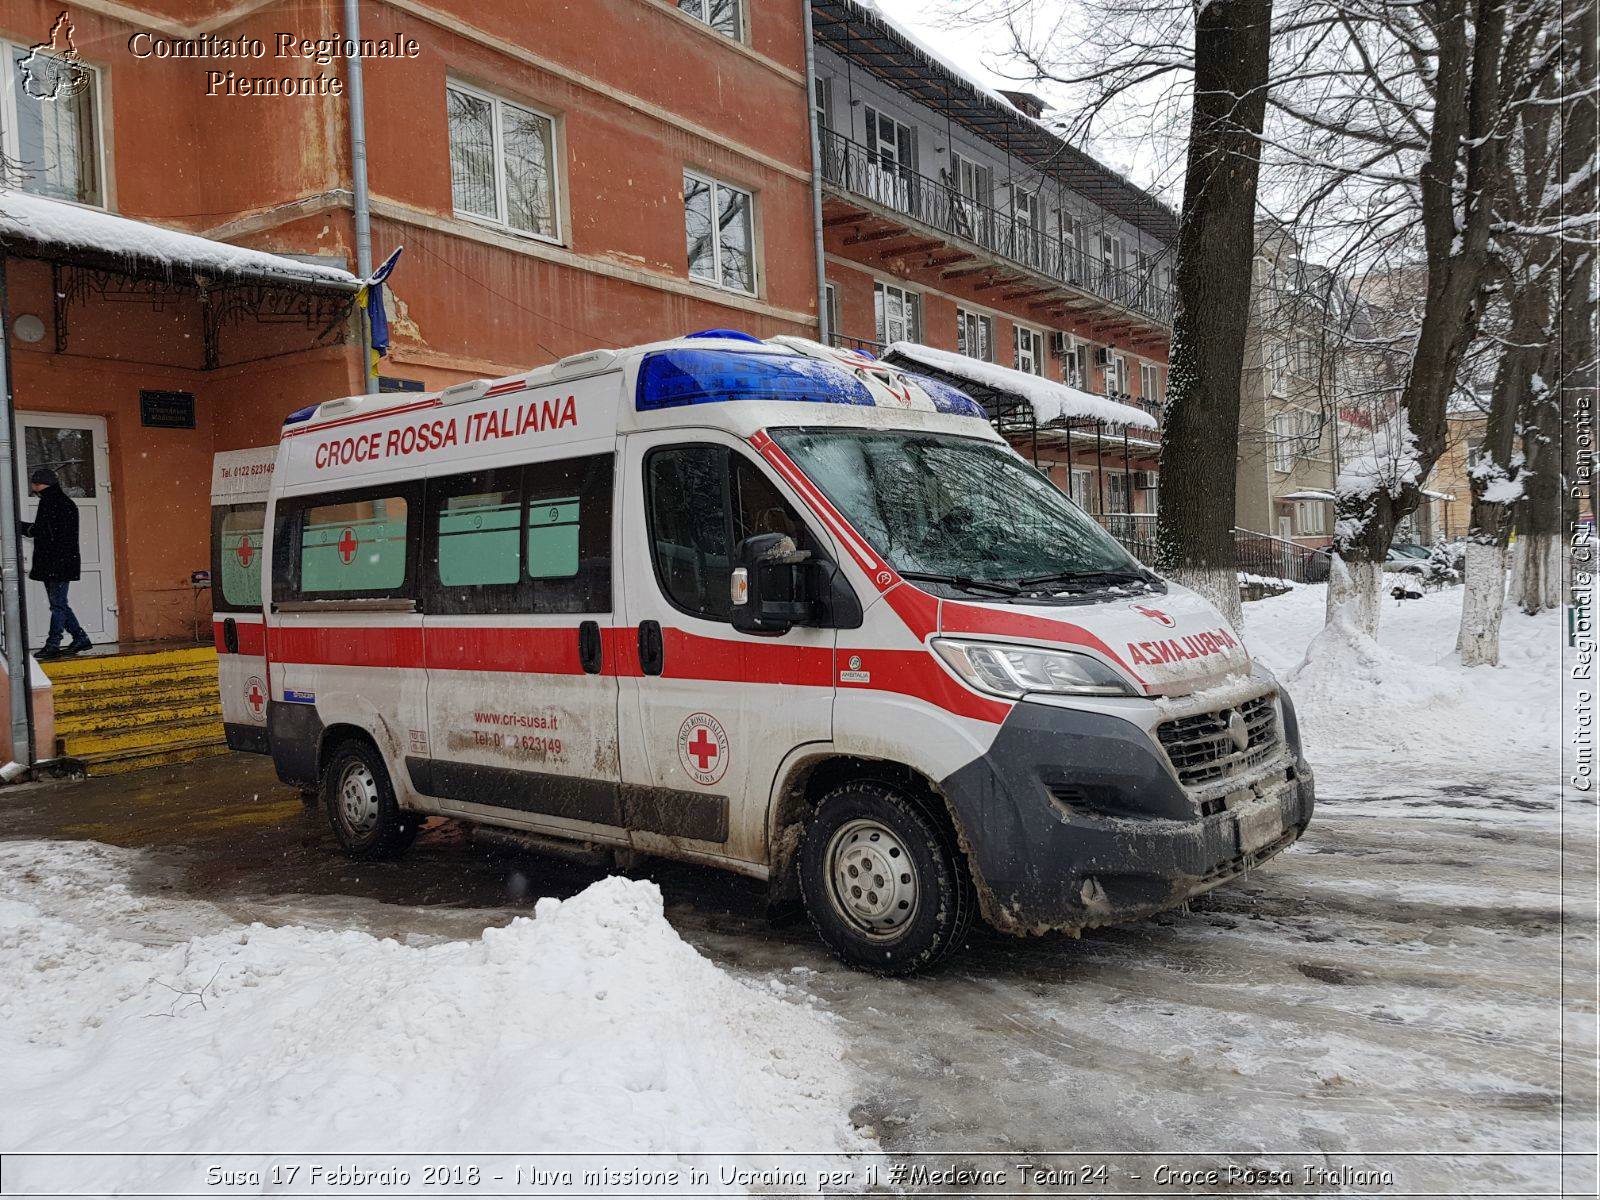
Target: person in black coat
[[56, 560]]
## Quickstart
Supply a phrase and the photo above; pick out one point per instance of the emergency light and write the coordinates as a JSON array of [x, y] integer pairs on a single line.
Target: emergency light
[[675, 378]]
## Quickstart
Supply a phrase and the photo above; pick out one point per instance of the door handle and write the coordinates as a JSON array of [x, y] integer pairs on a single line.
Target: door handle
[[651, 650], [589, 647], [230, 636]]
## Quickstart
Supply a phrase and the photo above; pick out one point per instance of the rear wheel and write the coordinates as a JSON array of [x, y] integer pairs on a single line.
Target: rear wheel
[[885, 885], [362, 809]]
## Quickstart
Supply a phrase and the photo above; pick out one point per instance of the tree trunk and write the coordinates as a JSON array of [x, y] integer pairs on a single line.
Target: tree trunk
[[1216, 249], [1538, 582]]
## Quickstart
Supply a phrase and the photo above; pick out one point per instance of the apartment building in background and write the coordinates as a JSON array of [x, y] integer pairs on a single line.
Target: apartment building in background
[[957, 218], [561, 177]]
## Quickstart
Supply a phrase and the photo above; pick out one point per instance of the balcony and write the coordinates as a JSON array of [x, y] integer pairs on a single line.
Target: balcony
[[851, 168]]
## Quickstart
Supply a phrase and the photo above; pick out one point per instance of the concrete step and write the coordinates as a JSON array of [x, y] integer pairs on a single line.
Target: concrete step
[[171, 711], [119, 762], [146, 739], [188, 658], [125, 682], [132, 696]]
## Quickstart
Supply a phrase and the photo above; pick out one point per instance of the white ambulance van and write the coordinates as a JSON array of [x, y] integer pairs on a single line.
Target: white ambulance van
[[760, 605]]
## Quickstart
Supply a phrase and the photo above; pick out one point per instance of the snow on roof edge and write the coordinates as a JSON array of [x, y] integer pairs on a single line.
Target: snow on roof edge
[[1050, 400], [42, 220]]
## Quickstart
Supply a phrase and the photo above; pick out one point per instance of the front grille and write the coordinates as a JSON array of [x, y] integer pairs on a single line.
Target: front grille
[[1202, 751]]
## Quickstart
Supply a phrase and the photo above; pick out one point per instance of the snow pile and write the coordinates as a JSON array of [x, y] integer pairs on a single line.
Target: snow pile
[[131, 1024], [1407, 693], [1051, 401], [53, 222]]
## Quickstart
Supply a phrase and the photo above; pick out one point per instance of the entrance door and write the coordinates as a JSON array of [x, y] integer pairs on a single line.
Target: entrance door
[[712, 713], [75, 449]]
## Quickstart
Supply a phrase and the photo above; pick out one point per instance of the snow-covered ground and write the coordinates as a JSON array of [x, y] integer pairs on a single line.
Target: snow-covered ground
[[1394, 983]]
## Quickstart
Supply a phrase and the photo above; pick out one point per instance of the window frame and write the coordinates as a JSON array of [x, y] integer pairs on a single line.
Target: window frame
[[910, 300], [981, 322], [741, 22], [10, 132], [1035, 341], [288, 532], [1283, 448], [219, 514], [712, 182], [502, 207], [520, 598]]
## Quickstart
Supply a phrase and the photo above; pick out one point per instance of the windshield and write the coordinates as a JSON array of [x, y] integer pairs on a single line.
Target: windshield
[[936, 504]]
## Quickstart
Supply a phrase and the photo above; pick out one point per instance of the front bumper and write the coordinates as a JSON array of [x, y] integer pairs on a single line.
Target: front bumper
[[1075, 819]]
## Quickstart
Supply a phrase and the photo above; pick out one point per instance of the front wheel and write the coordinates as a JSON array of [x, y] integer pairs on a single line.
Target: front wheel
[[885, 886], [361, 804]]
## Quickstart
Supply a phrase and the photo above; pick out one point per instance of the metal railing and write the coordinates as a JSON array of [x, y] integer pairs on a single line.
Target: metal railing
[[1276, 558], [855, 168]]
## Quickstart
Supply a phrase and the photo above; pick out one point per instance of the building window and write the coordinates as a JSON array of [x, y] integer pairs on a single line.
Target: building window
[[899, 314], [1116, 375], [1117, 498], [1310, 517], [1075, 367], [1283, 434], [502, 162], [721, 15], [50, 124], [1150, 382], [822, 101], [831, 311], [717, 219], [1030, 350], [974, 335]]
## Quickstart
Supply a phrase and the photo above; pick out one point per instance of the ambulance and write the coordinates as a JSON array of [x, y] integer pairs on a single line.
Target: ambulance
[[762, 605]]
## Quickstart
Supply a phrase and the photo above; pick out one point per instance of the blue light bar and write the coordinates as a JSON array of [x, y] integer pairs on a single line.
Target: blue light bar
[[675, 378], [732, 335], [946, 398], [301, 414]]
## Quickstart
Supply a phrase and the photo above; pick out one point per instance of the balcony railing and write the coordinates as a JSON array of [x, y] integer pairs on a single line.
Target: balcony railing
[[854, 168]]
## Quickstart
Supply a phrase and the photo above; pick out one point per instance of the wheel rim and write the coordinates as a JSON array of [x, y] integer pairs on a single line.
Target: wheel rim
[[358, 798], [872, 881]]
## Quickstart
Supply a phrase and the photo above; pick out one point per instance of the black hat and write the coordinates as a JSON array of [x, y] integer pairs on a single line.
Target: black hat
[[45, 476]]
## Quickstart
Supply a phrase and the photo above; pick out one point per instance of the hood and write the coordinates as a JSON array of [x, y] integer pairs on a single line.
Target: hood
[[1170, 645]]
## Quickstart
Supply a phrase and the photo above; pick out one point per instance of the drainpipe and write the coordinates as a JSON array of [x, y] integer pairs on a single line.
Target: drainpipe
[[358, 175], [823, 332], [18, 667]]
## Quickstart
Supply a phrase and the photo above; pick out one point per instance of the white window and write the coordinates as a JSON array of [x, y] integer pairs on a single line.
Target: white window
[[974, 335], [50, 124], [1030, 350], [891, 160], [502, 162], [1117, 493], [831, 299], [1075, 367], [1310, 517], [822, 101], [973, 180], [1150, 382], [1283, 436], [721, 15], [1116, 375], [718, 222], [899, 314], [1083, 488]]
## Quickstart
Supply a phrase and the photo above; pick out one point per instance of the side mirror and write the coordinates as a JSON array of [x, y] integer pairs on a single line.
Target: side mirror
[[773, 585]]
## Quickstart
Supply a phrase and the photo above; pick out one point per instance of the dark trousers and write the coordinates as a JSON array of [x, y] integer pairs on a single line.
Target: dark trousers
[[62, 619]]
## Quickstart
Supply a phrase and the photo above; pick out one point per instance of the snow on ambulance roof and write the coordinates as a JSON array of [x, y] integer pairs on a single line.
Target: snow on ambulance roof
[[44, 222], [1051, 401]]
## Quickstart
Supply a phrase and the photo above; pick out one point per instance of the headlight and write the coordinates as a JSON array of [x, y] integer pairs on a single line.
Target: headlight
[[1015, 671]]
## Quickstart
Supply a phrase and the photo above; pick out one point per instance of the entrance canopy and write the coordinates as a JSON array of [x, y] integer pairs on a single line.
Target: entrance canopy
[[37, 227], [1002, 390]]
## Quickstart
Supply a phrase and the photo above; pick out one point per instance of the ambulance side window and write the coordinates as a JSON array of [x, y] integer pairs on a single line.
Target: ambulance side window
[[535, 538], [702, 502], [236, 544], [345, 545]]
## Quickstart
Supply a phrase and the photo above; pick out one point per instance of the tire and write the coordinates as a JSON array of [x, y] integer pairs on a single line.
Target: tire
[[366, 819], [872, 916]]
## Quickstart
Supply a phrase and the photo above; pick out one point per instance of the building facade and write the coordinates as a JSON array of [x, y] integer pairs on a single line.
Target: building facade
[[955, 217], [561, 176]]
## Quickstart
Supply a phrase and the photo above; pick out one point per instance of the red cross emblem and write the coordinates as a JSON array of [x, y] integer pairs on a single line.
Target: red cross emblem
[[703, 748], [347, 546], [254, 696], [246, 551]]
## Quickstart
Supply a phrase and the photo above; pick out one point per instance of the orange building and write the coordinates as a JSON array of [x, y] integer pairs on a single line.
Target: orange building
[[561, 175]]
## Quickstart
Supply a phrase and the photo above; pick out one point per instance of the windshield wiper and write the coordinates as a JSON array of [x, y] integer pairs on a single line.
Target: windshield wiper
[[964, 582], [1087, 577]]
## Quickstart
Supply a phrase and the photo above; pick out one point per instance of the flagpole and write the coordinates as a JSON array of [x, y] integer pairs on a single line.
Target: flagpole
[[358, 174]]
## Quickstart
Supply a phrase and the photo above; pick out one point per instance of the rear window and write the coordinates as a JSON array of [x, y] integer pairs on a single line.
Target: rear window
[[236, 542]]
